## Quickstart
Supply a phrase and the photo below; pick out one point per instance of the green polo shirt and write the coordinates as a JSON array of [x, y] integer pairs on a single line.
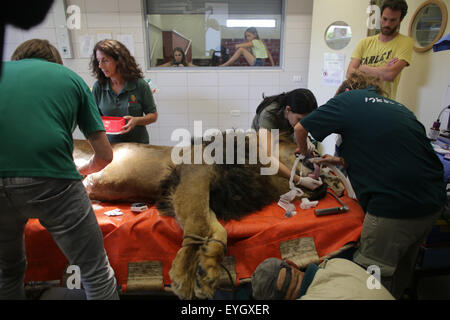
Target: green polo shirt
[[41, 104], [390, 161], [135, 99]]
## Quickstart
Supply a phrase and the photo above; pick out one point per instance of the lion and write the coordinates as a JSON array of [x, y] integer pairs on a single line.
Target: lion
[[198, 196]]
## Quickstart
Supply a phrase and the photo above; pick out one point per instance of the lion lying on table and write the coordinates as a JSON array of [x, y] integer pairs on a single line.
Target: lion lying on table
[[197, 195]]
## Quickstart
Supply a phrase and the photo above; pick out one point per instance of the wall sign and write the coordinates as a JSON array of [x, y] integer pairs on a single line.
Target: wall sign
[[333, 69]]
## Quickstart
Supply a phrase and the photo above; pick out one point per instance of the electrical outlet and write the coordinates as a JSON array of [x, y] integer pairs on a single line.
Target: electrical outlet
[[235, 113], [297, 78]]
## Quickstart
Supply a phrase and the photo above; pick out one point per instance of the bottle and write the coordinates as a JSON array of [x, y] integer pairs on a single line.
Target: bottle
[[433, 134]]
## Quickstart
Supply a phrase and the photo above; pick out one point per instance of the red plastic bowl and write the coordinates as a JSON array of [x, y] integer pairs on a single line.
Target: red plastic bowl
[[113, 124]]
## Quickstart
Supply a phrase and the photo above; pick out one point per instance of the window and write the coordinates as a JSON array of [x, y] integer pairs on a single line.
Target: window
[[214, 33], [428, 24]]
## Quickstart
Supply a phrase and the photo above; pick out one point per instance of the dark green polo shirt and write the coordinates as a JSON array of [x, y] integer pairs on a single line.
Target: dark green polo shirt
[[390, 161], [41, 104], [135, 99]]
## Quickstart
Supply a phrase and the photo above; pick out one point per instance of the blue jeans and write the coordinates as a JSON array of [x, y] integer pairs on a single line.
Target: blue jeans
[[258, 62], [64, 209]]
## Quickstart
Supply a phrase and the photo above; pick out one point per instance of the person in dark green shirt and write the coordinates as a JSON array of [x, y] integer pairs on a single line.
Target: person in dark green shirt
[[121, 91], [397, 177], [41, 103]]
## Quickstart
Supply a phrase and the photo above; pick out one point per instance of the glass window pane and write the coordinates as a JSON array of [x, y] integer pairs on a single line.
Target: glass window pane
[[205, 33]]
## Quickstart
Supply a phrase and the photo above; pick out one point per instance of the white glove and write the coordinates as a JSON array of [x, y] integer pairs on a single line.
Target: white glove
[[310, 183]]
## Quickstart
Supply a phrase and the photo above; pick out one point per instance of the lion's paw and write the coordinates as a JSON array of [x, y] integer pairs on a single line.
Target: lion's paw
[[208, 271], [183, 272]]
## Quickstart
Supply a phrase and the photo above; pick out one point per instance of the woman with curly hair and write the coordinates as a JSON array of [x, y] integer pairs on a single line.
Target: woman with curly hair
[[356, 80], [361, 80], [121, 91]]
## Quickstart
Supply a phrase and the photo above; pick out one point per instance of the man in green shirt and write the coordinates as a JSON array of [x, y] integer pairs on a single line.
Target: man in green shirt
[[41, 103], [397, 177]]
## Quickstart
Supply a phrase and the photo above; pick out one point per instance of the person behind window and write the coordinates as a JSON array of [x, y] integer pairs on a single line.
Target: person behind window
[[179, 59], [121, 91], [257, 54], [38, 177]]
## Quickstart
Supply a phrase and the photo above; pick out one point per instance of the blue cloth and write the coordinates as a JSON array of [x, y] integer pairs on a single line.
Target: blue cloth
[[442, 44], [258, 62], [446, 164], [310, 273], [443, 143]]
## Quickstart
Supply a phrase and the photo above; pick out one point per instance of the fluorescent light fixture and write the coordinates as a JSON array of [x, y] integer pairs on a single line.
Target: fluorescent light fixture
[[259, 23]]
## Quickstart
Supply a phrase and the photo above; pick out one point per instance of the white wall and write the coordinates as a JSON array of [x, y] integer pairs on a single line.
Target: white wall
[[185, 96], [326, 12], [423, 84]]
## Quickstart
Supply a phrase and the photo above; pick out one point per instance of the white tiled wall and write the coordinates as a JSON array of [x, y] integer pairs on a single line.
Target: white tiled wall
[[220, 98]]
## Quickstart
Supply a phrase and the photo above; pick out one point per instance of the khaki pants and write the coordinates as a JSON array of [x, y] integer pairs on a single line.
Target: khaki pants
[[393, 246]]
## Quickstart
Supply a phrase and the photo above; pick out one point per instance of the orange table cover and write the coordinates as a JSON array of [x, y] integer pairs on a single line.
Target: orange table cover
[[147, 236]]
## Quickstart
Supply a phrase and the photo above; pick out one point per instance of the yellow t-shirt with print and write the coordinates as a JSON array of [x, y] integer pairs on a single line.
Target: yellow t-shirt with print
[[372, 52], [259, 49]]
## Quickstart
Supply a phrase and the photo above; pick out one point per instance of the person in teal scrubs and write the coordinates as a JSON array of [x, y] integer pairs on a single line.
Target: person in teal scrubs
[[121, 91], [396, 175]]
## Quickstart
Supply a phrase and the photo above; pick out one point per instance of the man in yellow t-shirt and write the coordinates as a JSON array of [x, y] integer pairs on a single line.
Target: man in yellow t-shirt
[[386, 54]]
